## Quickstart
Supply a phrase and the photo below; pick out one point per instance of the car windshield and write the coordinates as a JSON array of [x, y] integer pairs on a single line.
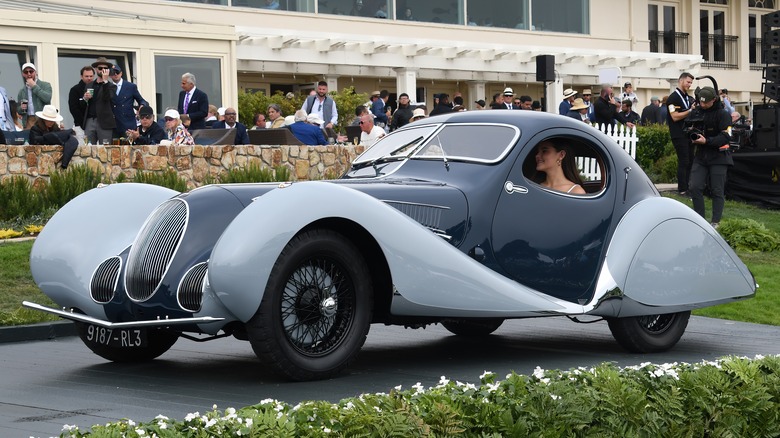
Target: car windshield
[[486, 143], [397, 144]]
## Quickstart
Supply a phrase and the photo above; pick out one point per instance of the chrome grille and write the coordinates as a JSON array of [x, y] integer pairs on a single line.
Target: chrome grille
[[190, 292], [154, 249], [104, 280], [427, 215]]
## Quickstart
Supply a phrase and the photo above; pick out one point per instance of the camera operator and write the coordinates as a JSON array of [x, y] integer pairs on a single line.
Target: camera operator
[[713, 156], [680, 105]]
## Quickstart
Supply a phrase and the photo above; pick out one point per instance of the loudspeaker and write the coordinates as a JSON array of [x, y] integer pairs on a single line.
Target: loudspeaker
[[766, 126], [545, 68]]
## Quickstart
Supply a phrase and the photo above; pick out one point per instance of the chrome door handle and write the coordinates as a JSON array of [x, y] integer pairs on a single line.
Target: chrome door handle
[[510, 188]]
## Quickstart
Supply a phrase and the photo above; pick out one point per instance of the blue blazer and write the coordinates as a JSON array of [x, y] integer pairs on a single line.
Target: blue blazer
[[241, 136], [308, 134], [123, 107], [198, 108], [7, 113]]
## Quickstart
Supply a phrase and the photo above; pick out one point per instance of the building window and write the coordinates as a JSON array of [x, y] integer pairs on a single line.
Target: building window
[[69, 65], [560, 16], [662, 32], [715, 2], [358, 8], [765, 4], [279, 5], [432, 11], [511, 14], [11, 60], [167, 74]]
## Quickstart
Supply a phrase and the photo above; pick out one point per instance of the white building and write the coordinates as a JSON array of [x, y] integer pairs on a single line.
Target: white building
[[473, 47]]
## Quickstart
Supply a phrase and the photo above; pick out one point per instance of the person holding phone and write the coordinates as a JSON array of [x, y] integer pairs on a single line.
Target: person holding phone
[[100, 123]]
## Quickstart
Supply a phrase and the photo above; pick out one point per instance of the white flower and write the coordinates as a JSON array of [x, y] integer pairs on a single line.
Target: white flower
[[538, 372], [210, 423], [249, 422], [443, 381], [130, 422], [162, 425], [398, 388], [545, 380], [486, 373], [470, 386], [191, 416], [325, 429], [214, 407], [230, 411], [349, 406], [418, 388], [140, 432], [68, 427], [492, 387], [555, 397], [161, 417], [376, 408]]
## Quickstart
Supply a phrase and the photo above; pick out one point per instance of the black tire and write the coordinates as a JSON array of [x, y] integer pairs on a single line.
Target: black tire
[[649, 333], [472, 327], [316, 309], [158, 342]]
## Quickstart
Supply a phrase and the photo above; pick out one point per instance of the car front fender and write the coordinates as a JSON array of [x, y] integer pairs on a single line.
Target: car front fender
[[430, 273], [95, 225]]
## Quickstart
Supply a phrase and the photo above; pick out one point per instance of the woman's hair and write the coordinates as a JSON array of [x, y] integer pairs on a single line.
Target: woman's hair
[[568, 165], [276, 108], [41, 124]]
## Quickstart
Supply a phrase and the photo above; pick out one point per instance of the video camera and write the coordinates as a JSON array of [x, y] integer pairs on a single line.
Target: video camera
[[694, 125]]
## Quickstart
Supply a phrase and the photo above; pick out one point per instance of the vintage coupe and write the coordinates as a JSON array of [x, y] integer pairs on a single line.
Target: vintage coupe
[[439, 222]]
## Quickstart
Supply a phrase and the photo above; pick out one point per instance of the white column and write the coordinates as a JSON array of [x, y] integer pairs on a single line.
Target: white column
[[406, 82], [476, 92], [333, 82]]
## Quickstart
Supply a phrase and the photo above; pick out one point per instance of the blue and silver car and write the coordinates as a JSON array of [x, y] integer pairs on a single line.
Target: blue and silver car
[[439, 222]]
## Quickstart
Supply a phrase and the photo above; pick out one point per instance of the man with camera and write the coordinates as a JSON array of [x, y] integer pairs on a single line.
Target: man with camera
[[708, 131], [680, 105]]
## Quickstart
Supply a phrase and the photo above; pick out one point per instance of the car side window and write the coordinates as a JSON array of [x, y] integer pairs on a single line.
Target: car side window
[[471, 142], [588, 168]]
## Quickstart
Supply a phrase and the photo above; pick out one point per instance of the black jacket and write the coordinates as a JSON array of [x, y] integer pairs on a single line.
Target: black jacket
[[153, 135], [401, 117], [604, 111], [716, 122], [77, 105]]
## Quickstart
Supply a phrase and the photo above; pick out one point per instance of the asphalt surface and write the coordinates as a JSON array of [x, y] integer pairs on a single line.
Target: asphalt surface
[[48, 383]]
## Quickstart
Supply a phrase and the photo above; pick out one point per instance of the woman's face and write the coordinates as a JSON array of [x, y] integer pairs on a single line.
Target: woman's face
[[171, 123], [547, 157], [49, 124], [273, 114]]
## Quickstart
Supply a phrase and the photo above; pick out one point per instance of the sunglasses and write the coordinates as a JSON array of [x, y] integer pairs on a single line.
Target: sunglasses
[[362, 123], [147, 116], [27, 72], [230, 114], [168, 119]]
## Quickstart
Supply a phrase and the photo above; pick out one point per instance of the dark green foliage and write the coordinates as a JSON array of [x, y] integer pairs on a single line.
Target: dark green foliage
[[170, 179], [65, 185], [252, 173], [749, 235], [19, 199], [651, 144]]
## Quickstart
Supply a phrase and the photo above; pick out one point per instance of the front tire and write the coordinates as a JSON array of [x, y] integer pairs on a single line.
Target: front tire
[[158, 342], [316, 309], [649, 333]]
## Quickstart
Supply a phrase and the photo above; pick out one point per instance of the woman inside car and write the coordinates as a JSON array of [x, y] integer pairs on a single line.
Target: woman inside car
[[556, 169]]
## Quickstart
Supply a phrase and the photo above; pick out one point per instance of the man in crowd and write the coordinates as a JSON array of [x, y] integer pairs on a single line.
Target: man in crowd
[[627, 116], [258, 121], [36, 92], [230, 122], [727, 105], [306, 133], [579, 110], [509, 95], [444, 105], [401, 115], [212, 117], [379, 107], [100, 122], [606, 107], [680, 105], [193, 101], [77, 101], [568, 98], [149, 132], [359, 111], [322, 105], [587, 94], [525, 103], [480, 104], [651, 114], [126, 94], [371, 133]]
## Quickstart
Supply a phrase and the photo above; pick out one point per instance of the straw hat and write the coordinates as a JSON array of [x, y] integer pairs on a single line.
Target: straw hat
[[418, 113], [579, 104], [49, 113], [567, 93]]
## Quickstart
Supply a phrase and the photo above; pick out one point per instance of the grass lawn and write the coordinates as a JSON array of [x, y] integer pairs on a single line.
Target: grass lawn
[[16, 283]]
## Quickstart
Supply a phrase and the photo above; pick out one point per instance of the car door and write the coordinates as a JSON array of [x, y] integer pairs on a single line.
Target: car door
[[551, 241]]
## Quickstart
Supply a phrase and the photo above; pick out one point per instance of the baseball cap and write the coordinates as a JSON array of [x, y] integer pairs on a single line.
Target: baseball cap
[[707, 94], [480, 102], [29, 65], [172, 113]]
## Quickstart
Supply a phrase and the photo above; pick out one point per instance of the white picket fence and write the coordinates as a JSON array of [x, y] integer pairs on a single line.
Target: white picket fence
[[625, 138]]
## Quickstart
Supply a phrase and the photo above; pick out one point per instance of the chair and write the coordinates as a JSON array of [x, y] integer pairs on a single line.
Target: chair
[[214, 136], [276, 136], [352, 132]]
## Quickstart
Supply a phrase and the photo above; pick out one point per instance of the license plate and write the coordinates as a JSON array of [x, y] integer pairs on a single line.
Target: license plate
[[116, 338]]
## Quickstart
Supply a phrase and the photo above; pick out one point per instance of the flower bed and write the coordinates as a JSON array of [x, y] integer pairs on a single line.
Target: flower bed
[[734, 396]]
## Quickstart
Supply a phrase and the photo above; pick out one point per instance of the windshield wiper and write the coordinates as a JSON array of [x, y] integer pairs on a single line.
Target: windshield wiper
[[389, 157]]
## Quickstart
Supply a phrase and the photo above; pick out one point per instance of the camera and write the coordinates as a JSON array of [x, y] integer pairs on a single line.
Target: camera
[[694, 126], [741, 134]]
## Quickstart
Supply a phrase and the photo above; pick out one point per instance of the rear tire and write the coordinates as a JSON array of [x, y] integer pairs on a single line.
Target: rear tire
[[649, 333], [316, 309], [472, 327], [158, 342]]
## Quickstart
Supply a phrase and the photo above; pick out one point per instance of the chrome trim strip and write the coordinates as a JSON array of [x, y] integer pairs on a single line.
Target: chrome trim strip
[[99, 322], [187, 283], [103, 277]]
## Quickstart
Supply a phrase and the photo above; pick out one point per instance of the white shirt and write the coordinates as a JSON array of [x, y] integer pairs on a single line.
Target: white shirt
[[119, 86], [368, 139], [316, 108]]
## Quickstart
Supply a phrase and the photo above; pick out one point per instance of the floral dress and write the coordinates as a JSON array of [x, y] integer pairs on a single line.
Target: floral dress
[[181, 137]]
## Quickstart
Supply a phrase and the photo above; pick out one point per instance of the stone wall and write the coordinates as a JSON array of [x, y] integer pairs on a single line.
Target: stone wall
[[193, 163]]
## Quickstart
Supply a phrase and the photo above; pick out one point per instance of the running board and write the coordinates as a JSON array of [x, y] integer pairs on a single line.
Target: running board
[[99, 322]]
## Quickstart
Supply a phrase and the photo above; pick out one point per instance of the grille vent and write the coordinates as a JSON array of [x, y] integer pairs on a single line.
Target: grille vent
[[190, 293], [154, 249], [104, 280], [427, 215]]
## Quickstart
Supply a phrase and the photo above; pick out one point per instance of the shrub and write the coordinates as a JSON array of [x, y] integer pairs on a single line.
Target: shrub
[[251, 173], [65, 185], [170, 179], [749, 235], [652, 144], [18, 198]]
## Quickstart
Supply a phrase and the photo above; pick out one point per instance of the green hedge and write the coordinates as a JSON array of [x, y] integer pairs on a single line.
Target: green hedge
[[732, 397]]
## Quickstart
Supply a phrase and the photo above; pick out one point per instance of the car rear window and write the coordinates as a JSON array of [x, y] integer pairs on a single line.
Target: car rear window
[[471, 142]]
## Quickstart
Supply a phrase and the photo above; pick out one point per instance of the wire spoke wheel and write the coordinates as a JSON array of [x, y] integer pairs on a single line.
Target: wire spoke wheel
[[649, 333]]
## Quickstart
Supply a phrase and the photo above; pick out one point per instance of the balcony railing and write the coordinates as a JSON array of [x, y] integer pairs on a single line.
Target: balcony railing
[[668, 42], [756, 54], [720, 51]]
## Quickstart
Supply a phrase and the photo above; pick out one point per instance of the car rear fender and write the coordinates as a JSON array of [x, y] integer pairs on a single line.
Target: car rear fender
[[663, 254], [95, 225], [429, 272]]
